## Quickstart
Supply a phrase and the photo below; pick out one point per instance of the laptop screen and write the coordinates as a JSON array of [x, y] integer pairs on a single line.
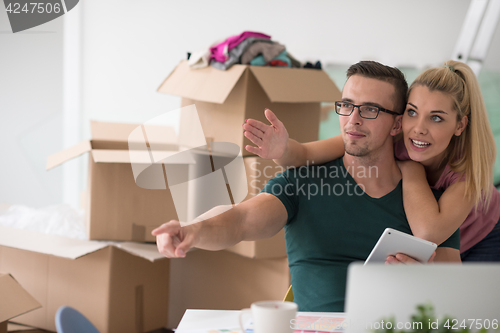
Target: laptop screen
[[464, 294]]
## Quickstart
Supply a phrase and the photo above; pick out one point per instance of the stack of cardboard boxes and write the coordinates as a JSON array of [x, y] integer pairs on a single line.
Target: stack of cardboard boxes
[[121, 286], [127, 286]]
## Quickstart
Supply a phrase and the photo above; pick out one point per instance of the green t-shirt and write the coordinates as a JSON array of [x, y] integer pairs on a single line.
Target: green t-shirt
[[331, 223]]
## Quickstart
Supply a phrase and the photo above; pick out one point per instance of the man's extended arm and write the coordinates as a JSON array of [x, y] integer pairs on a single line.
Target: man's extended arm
[[258, 218]]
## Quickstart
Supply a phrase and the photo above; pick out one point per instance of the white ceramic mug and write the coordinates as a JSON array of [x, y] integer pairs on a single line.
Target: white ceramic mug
[[271, 316]]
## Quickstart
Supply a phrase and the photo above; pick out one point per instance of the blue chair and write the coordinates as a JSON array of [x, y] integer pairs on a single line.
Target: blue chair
[[69, 320]]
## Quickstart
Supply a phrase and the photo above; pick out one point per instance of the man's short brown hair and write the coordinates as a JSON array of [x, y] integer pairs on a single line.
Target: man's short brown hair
[[392, 75]]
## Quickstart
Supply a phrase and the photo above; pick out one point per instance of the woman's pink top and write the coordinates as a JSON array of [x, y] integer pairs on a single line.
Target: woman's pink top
[[478, 223]]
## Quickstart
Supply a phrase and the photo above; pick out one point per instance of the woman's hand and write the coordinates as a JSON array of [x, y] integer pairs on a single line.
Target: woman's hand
[[271, 140], [401, 258]]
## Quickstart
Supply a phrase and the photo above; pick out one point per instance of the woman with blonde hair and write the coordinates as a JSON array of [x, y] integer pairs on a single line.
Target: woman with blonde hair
[[446, 144]]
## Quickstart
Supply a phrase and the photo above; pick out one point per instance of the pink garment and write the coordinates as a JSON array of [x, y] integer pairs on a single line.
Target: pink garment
[[478, 224], [220, 52]]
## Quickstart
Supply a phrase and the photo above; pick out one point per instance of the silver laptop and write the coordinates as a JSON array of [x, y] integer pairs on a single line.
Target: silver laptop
[[469, 294]]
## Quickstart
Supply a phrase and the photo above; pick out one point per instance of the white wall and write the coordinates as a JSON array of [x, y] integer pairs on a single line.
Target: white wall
[[492, 61], [30, 112], [130, 46]]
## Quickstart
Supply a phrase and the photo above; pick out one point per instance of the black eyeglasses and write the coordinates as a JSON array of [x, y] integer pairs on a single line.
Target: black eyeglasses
[[365, 111]]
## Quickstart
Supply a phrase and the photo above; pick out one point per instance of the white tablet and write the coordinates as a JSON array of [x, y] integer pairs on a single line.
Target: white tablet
[[394, 241]]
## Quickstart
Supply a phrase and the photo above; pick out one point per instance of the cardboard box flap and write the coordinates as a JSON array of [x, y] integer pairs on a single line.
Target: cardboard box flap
[[140, 156], [22, 328], [48, 244], [294, 85], [206, 84], [118, 156], [68, 154], [14, 300], [146, 251], [104, 131], [69, 247], [159, 134]]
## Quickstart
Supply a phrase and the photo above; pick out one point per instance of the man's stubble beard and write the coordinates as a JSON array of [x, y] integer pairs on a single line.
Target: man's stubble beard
[[355, 150]]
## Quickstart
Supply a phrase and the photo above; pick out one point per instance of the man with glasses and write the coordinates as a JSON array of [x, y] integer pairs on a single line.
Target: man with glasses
[[329, 222]]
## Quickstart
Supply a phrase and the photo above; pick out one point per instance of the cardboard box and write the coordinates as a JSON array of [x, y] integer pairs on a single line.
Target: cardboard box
[[224, 99], [119, 287], [14, 300], [224, 280], [116, 207], [259, 171], [13, 327]]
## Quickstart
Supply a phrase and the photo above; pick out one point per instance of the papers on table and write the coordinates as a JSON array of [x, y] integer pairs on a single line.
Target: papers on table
[[312, 322], [226, 321]]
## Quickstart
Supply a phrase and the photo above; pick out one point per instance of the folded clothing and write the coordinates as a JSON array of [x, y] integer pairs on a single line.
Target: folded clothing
[[267, 50], [317, 65], [201, 58], [277, 63], [235, 53], [295, 62], [220, 52], [249, 47], [260, 61]]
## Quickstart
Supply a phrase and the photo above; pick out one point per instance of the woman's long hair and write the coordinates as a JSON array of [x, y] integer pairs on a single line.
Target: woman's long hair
[[473, 152]]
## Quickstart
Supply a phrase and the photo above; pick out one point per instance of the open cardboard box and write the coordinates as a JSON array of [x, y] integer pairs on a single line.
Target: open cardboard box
[[224, 99], [119, 287], [14, 300], [116, 207]]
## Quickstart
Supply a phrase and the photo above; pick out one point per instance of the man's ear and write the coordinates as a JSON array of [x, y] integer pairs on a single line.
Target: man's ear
[[396, 128], [461, 125]]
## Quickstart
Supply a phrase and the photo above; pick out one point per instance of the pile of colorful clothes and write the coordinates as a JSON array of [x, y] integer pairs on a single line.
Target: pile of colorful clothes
[[248, 48]]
